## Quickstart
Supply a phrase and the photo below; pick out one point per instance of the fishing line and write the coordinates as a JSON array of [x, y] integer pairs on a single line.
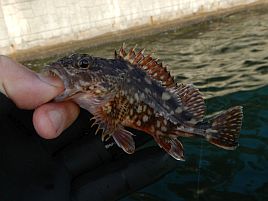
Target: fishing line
[[199, 168], [209, 47]]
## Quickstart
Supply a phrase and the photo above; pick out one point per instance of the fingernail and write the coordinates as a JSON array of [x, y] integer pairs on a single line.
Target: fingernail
[[56, 120], [51, 80]]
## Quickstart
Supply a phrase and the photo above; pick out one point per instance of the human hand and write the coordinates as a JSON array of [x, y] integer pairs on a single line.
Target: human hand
[[76, 166], [29, 90]]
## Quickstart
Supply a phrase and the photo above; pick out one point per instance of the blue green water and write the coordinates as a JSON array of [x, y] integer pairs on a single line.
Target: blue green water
[[227, 59]]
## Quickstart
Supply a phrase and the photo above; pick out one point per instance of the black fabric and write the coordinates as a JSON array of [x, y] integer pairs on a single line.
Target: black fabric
[[76, 166]]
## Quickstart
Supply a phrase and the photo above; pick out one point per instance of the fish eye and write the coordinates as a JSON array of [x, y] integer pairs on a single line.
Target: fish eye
[[83, 63]]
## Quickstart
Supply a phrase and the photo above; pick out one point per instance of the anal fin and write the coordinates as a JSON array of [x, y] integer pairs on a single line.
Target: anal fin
[[124, 139], [172, 146]]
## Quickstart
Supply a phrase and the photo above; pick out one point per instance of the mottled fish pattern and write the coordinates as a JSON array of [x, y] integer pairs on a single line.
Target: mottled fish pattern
[[136, 90]]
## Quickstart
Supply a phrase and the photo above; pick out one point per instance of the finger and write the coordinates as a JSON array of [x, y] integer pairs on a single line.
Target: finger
[[51, 119], [26, 88]]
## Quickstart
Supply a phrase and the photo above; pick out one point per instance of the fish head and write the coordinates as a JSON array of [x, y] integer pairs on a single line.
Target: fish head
[[77, 74]]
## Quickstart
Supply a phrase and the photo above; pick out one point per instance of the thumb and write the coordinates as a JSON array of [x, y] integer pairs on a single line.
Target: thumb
[[26, 88]]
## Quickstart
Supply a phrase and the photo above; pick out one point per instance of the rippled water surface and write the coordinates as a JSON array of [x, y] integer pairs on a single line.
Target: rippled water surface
[[227, 59]]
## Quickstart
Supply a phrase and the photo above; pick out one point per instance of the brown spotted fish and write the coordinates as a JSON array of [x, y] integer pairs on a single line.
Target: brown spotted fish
[[137, 91]]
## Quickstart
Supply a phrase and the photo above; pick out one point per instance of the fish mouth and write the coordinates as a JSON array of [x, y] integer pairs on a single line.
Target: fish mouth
[[57, 72], [53, 71]]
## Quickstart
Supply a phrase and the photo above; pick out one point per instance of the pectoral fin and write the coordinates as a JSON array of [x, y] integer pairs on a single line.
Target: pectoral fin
[[124, 139]]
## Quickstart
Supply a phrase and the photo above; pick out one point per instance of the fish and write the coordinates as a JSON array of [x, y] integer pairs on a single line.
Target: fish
[[136, 90]]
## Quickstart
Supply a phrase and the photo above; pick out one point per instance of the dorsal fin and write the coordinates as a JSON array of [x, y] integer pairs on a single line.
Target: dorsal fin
[[151, 65], [192, 101]]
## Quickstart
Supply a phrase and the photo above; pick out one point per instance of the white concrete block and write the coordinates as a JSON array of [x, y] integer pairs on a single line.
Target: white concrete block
[[29, 23]]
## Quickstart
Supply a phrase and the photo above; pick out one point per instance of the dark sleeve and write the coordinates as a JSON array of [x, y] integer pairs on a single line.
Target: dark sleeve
[[76, 166]]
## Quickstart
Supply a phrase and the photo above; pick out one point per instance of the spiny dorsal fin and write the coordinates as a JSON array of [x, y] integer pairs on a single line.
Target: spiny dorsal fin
[[192, 101], [151, 65]]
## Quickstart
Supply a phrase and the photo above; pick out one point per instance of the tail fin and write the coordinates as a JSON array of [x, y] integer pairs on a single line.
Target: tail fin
[[225, 128]]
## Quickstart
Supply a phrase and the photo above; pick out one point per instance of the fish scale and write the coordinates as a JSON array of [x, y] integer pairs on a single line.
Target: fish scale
[[136, 90], [140, 116]]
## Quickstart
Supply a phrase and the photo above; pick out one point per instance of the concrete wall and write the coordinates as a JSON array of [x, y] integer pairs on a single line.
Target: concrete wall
[[4, 38], [27, 24]]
